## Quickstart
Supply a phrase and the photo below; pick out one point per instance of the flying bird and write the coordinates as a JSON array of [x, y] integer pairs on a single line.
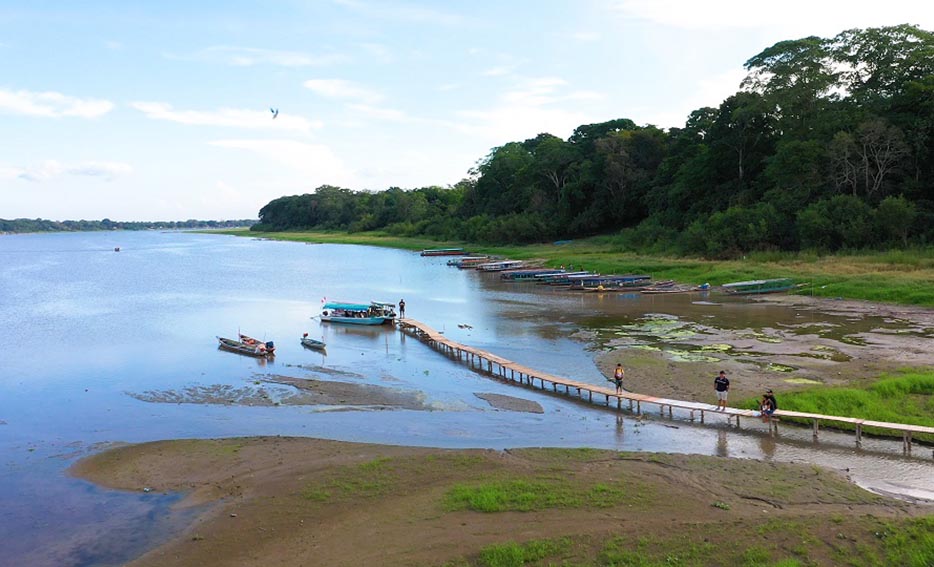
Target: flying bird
[[275, 112]]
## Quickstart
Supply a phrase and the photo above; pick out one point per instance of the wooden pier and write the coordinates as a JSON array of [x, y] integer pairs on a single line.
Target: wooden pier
[[508, 370]]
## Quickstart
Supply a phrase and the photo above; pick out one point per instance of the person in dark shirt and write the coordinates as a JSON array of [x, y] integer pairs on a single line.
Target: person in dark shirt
[[722, 385], [768, 405], [402, 309]]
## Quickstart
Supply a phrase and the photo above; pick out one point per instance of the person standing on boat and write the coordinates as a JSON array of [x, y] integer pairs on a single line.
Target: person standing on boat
[[402, 309], [722, 385], [618, 376]]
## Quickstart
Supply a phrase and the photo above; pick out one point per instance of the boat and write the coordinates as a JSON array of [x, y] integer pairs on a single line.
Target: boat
[[444, 252], [312, 343], [468, 261], [258, 350], [500, 266], [376, 313], [750, 287], [250, 341]]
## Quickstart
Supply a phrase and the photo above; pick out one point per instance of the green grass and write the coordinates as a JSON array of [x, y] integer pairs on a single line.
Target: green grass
[[516, 555], [526, 495], [864, 542], [903, 397], [900, 276]]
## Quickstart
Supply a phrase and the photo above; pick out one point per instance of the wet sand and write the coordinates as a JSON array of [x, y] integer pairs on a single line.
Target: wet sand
[[288, 501]]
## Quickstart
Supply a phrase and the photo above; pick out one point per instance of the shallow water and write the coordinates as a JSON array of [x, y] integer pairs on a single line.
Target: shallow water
[[96, 330]]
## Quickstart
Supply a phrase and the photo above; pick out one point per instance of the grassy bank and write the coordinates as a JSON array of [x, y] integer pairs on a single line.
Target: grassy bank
[[904, 397], [904, 277]]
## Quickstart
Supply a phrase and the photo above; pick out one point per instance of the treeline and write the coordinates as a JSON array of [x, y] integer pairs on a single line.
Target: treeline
[[828, 144], [42, 225]]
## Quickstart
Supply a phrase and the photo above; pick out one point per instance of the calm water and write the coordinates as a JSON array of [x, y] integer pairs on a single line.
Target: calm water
[[90, 331]]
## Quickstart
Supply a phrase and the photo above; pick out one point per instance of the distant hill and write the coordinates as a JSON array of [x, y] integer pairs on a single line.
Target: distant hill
[[43, 225]]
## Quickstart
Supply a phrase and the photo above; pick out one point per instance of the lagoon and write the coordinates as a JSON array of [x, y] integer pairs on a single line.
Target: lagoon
[[96, 338]]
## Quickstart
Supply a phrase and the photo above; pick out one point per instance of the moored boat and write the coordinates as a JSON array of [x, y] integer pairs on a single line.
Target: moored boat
[[773, 285], [258, 350], [374, 313], [250, 341], [468, 261], [312, 343], [444, 252]]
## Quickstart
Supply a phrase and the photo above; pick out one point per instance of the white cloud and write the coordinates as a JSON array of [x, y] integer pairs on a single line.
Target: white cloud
[[401, 11], [341, 89], [113, 45], [585, 36], [498, 71], [380, 113], [51, 169], [316, 162], [52, 104], [227, 117], [378, 51], [250, 56], [711, 91], [529, 109], [819, 18]]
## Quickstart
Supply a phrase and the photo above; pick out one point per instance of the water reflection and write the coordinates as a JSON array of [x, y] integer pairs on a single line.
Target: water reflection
[[723, 444]]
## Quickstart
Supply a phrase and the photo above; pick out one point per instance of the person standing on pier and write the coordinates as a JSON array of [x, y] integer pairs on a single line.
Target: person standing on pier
[[618, 375], [722, 384], [402, 309]]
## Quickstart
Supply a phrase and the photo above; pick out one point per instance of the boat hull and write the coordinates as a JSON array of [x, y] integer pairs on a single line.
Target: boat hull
[[356, 320], [238, 347], [313, 344]]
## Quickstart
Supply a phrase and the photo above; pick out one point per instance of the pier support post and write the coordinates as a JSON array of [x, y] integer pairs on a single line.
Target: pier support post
[[816, 428], [859, 434]]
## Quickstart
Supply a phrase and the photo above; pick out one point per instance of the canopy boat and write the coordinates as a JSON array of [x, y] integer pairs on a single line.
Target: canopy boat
[[259, 350], [469, 262], [444, 252], [375, 313], [312, 343], [500, 266], [759, 286]]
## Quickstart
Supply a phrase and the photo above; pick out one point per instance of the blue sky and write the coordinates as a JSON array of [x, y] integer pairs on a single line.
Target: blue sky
[[160, 110]]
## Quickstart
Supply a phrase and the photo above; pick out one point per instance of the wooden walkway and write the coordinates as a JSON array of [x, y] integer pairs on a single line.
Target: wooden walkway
[[512, 371]]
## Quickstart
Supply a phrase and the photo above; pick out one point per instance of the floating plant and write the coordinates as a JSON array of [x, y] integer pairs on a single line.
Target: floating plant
[[801, 381]]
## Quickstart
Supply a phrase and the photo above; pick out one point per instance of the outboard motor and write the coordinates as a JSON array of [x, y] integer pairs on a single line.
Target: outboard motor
[[270, 345]]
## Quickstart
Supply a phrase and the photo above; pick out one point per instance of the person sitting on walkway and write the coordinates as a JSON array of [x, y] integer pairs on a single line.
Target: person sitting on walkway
[[768, 405]]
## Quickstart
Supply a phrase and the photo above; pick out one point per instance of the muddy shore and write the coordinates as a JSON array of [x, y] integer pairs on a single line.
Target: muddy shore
[[300, 501]]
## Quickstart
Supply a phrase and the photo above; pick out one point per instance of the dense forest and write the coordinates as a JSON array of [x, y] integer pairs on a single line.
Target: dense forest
[[42, 225], [828, 144]]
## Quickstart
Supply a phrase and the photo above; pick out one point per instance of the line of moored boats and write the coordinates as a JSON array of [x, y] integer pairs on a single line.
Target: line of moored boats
[[586, 281]]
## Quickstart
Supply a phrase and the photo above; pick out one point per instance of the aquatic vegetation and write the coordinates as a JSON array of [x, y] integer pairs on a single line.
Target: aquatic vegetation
[[719, 347], [775, 367], [689, 356], [766, 338], [801, 381], [853, 340]]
